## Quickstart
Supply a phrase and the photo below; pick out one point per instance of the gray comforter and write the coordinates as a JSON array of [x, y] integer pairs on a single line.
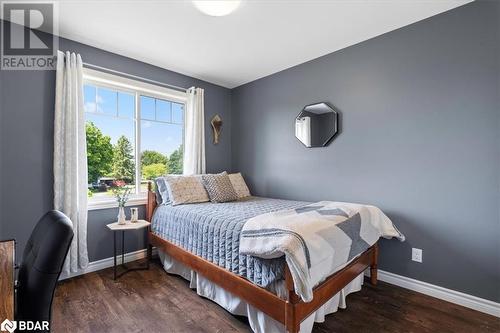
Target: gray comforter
[[212, 231]]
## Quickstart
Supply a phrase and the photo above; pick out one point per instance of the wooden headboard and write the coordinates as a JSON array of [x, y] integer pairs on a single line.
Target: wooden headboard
[[151, 203]]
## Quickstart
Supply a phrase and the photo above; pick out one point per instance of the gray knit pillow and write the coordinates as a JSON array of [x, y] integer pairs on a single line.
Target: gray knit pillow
[[219, 187]]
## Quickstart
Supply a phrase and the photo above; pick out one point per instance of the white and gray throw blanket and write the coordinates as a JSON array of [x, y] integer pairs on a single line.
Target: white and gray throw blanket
[[317, 239]]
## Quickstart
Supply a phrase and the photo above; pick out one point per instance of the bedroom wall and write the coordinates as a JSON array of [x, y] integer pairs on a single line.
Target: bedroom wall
[[26, 145], [420, 139]]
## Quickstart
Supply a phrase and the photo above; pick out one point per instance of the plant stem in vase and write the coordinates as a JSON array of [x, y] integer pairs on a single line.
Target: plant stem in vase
[[121, 192], [121, 215]]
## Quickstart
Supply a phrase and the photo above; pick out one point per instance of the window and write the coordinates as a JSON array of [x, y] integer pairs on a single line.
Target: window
[[135, 132]]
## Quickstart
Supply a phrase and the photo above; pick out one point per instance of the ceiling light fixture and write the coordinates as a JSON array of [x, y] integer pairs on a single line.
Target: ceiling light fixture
[[217, 7]]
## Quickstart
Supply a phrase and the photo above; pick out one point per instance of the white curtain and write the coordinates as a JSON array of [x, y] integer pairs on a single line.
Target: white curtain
[[194, 136], [70, 156]]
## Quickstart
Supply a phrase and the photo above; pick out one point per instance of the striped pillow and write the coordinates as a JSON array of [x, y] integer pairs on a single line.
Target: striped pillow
[[219, 187], [161, 191]]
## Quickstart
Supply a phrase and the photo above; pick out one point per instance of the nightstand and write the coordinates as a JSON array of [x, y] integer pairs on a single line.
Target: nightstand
[[115, 227]]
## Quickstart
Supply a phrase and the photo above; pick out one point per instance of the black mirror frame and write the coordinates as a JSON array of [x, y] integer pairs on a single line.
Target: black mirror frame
[[336, 129]]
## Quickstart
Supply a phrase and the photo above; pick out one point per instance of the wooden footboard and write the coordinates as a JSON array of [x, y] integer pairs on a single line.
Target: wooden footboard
[[290, 312]]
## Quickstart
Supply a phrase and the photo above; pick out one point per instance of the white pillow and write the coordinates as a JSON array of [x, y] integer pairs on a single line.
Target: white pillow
[[185, 189], [239, 185]]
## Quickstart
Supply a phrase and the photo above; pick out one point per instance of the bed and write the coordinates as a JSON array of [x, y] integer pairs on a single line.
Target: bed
[[197, 235]]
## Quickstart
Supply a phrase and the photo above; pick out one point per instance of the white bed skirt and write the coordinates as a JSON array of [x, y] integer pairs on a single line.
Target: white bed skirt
[[259, 322]]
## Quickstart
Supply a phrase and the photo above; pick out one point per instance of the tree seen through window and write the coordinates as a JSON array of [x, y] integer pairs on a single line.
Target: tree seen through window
[[111, 120]]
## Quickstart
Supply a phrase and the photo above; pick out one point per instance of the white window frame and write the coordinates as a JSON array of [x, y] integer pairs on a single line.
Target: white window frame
[[138, 89]]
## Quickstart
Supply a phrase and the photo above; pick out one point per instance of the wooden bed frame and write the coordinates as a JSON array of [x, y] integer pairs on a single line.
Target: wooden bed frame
[[289, 312]]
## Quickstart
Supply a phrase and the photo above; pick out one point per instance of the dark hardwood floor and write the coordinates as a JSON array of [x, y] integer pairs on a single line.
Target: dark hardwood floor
[[154, 301]]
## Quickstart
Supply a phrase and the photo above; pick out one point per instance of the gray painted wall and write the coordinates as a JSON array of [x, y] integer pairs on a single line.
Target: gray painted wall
[[26, 144], [420, 139], [100, 240]]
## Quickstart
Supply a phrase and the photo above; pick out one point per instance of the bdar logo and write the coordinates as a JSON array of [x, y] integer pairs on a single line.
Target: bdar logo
[[8, 325], [22, 325]]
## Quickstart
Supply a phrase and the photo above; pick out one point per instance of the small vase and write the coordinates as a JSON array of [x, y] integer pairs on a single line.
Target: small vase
[[134, 215], [121, 216]]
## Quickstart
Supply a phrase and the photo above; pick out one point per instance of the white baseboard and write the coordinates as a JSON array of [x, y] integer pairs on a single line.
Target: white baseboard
[[469, 301], [456, 297], [107, 262]]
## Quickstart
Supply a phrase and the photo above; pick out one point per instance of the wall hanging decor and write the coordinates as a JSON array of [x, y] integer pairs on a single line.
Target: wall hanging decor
[[216, 127], [316, 125]]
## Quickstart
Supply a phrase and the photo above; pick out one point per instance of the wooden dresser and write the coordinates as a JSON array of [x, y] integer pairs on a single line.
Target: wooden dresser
[[7, 263]]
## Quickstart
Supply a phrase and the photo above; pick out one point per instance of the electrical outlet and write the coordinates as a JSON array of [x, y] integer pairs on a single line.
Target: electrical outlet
[[416, 255]]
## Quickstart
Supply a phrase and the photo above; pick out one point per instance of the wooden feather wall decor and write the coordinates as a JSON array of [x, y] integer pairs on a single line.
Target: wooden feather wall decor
[[216, 127]]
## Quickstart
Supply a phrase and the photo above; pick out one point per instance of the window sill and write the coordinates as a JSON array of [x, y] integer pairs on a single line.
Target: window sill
[[106, 204]]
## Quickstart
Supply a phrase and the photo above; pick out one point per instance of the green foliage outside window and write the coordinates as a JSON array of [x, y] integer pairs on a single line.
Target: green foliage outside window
[[123, 160], [175, 161], [99, 153], [117, 161], [154, 170], [149, 157]]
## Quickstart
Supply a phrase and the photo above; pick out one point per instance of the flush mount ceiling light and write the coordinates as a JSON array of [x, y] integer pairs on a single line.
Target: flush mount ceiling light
[[217, 7]]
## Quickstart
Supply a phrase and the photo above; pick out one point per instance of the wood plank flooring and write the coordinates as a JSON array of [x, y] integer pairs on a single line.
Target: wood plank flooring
[[154, 301], [7, 254]]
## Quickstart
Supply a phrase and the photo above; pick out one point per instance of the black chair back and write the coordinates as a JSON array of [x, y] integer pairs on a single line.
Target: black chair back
[[42, 262]]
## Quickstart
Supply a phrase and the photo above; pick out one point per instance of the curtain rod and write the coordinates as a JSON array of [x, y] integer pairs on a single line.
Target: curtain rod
[[133, 76]]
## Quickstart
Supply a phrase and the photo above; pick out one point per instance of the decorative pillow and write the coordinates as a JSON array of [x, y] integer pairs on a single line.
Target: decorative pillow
[[239, 185], [162, 190], [158, 185], [185, 189], [219, 187]]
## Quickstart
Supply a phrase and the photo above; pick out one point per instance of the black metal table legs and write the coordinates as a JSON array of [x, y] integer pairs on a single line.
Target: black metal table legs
[[125, 268]]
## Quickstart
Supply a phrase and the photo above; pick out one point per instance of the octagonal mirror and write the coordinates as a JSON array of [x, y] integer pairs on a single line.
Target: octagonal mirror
[[316, 125]]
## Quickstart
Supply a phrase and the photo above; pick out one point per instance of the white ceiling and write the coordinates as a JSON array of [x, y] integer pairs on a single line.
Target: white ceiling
[[258, 39]]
